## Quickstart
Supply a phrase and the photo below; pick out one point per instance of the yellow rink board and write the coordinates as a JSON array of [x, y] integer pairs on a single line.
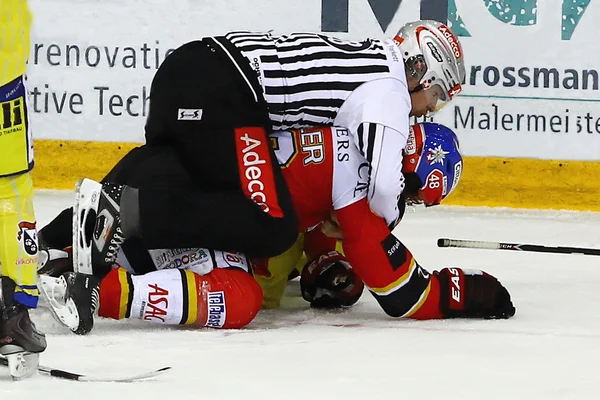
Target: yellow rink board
[[486, 181]]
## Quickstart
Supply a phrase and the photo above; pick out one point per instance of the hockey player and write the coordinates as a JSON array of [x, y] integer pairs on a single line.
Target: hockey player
[[228, 93], [319, 164], [325, 173], [19, 339], [327, 279]]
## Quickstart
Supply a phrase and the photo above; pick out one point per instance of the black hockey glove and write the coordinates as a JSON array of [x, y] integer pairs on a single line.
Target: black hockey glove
[[473, 294], [329, 282]]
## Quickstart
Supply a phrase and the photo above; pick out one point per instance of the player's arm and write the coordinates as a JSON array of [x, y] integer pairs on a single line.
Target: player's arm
[[402, 287], [326, 278], [382, 147], [377, 116]]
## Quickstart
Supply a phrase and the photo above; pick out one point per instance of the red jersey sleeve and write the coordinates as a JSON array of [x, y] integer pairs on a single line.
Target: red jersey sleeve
[[386, 266]]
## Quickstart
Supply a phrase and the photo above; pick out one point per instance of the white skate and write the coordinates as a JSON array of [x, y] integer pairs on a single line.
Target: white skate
[[53, 297], [87, 199]]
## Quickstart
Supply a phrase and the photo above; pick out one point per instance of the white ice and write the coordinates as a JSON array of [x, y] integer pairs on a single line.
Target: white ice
[[549, 350]]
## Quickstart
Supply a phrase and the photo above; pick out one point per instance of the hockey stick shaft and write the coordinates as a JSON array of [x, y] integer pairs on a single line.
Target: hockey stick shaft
[[476, 244], [58, 373]]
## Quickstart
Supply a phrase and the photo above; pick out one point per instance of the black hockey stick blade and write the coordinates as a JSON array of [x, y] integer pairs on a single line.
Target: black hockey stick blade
[[477, 244], [58, 373]]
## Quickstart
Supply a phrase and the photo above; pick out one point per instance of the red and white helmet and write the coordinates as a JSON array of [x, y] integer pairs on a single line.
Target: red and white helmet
[[433, 55]]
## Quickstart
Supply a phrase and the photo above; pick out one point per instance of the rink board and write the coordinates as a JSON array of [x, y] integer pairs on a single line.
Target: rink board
[[486, 181]]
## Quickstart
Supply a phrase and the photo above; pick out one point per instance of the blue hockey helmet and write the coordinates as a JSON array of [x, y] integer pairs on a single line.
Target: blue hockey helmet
[[432, 152]]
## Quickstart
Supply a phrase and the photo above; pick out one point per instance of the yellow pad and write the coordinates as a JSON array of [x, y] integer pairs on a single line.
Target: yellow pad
[[18, 237], [16, 144]]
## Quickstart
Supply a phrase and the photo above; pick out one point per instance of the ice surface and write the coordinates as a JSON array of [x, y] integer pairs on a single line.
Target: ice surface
[[549, 350]]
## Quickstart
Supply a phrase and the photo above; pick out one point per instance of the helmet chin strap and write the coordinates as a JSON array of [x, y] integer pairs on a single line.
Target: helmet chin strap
[[418, 88]]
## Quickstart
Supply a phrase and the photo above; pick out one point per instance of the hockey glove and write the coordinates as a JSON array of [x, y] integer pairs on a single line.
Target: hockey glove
[[329, 282], [473, 294]]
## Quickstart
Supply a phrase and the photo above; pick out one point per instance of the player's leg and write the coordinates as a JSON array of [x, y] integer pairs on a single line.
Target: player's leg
[[223, 298], [18, 265], [186, 286], [135, 168], [218, 132], [18, 236], [130, 170], [18, 268]]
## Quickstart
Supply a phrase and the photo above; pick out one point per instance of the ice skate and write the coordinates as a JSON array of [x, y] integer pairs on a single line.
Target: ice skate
[[20, 341], [97, 233]]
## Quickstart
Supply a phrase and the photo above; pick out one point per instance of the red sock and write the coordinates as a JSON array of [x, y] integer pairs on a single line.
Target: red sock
[[116, 290]]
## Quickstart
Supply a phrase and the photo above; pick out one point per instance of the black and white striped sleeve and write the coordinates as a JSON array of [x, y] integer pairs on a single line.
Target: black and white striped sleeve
[[382, 147]]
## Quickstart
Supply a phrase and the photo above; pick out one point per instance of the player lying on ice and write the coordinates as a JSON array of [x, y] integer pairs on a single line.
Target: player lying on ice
[[325, 174]]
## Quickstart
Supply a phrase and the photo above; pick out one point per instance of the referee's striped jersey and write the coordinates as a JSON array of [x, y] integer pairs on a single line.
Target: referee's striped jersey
[[306, 76], [310, 79]]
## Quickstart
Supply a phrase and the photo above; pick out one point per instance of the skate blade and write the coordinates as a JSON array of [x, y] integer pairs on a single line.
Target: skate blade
[[21, 364], [87, 198]]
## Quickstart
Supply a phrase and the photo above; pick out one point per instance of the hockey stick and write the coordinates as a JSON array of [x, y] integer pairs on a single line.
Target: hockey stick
[[475, 244], [58, 373]]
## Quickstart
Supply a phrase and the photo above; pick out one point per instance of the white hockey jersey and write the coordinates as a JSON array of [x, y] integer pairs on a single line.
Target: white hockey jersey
[[312, 80]]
